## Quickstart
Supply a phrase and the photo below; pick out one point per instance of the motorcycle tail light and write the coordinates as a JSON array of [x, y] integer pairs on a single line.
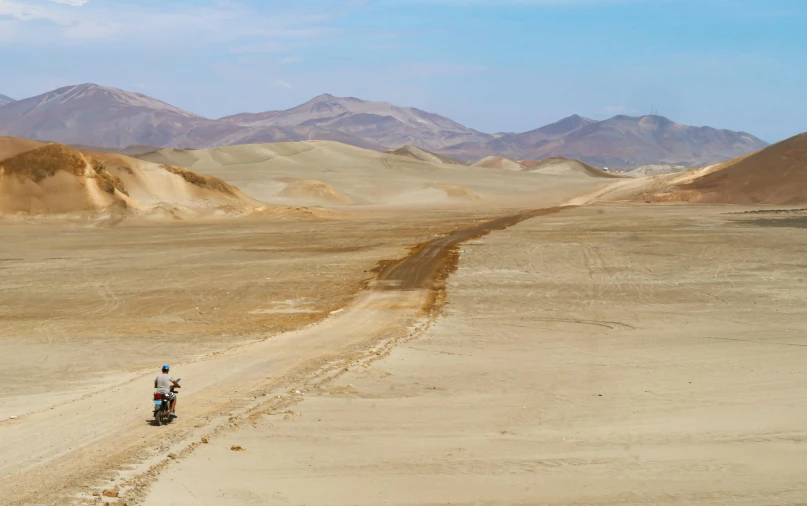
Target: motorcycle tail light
[[158, 396]]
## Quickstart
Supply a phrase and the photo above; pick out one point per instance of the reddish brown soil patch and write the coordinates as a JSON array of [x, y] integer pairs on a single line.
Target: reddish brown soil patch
[[208, 182]]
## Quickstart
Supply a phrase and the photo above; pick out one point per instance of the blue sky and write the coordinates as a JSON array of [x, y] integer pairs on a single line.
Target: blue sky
[[494, 65]]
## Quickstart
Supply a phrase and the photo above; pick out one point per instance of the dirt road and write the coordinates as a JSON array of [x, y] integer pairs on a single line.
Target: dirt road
[[102, 432]]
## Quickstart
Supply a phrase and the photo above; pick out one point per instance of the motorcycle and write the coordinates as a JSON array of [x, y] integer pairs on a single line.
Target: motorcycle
[[162, 406]]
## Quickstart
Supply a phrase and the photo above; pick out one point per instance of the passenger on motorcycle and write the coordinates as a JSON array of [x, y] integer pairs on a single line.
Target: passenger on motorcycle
[[163, 384]]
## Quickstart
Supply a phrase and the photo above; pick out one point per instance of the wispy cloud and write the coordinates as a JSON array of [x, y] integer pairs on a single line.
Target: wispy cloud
[[74, 3], [17, 11], [282, 84], [148, 21], [269, 46], [556, 3]]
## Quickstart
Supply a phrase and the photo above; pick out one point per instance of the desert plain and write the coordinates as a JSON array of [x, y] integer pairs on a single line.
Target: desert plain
[[354, 327]]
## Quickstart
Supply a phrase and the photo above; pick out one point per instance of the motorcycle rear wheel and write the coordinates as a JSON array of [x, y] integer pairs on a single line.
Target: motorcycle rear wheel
[[158, 417]]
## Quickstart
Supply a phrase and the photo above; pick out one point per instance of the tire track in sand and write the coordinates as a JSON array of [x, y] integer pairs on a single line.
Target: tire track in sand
[[51, 456]]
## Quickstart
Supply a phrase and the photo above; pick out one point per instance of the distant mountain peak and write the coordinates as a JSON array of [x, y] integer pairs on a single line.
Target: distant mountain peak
[[87, 88], [322, 98], [575, 118], [98, 116], [559, 128], [95, 95], [5, 100]]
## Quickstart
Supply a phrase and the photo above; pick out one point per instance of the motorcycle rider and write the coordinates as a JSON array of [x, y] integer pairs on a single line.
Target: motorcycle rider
[[163, 383]]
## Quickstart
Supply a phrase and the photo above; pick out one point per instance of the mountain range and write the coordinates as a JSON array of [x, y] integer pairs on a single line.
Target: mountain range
[[621, 141], [92, 115]]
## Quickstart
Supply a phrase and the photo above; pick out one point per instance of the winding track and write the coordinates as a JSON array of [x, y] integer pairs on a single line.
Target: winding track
[[49, 456]]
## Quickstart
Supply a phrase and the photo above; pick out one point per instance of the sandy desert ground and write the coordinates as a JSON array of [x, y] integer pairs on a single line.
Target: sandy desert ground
[[601, 355], [441, 335]]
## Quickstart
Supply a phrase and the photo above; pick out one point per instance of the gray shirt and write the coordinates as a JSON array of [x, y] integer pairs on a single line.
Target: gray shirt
[[164, 382]]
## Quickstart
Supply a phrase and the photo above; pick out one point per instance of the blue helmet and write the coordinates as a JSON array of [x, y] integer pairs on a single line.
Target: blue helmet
[[165, 367]]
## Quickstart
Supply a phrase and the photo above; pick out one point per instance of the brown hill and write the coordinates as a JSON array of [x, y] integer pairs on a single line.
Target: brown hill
[[775, 175], [57, 179]]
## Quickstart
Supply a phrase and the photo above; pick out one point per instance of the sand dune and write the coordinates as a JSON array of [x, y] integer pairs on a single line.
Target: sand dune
[[366, 177], [423, 155], [10, 146], [565, 167], [151, 183], [498, 162], [57, 179]]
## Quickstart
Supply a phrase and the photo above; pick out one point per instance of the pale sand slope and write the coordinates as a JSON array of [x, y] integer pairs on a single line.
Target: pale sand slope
[[596, 356], [366, 177], [498, 162], [423, 155], [656, 170]]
